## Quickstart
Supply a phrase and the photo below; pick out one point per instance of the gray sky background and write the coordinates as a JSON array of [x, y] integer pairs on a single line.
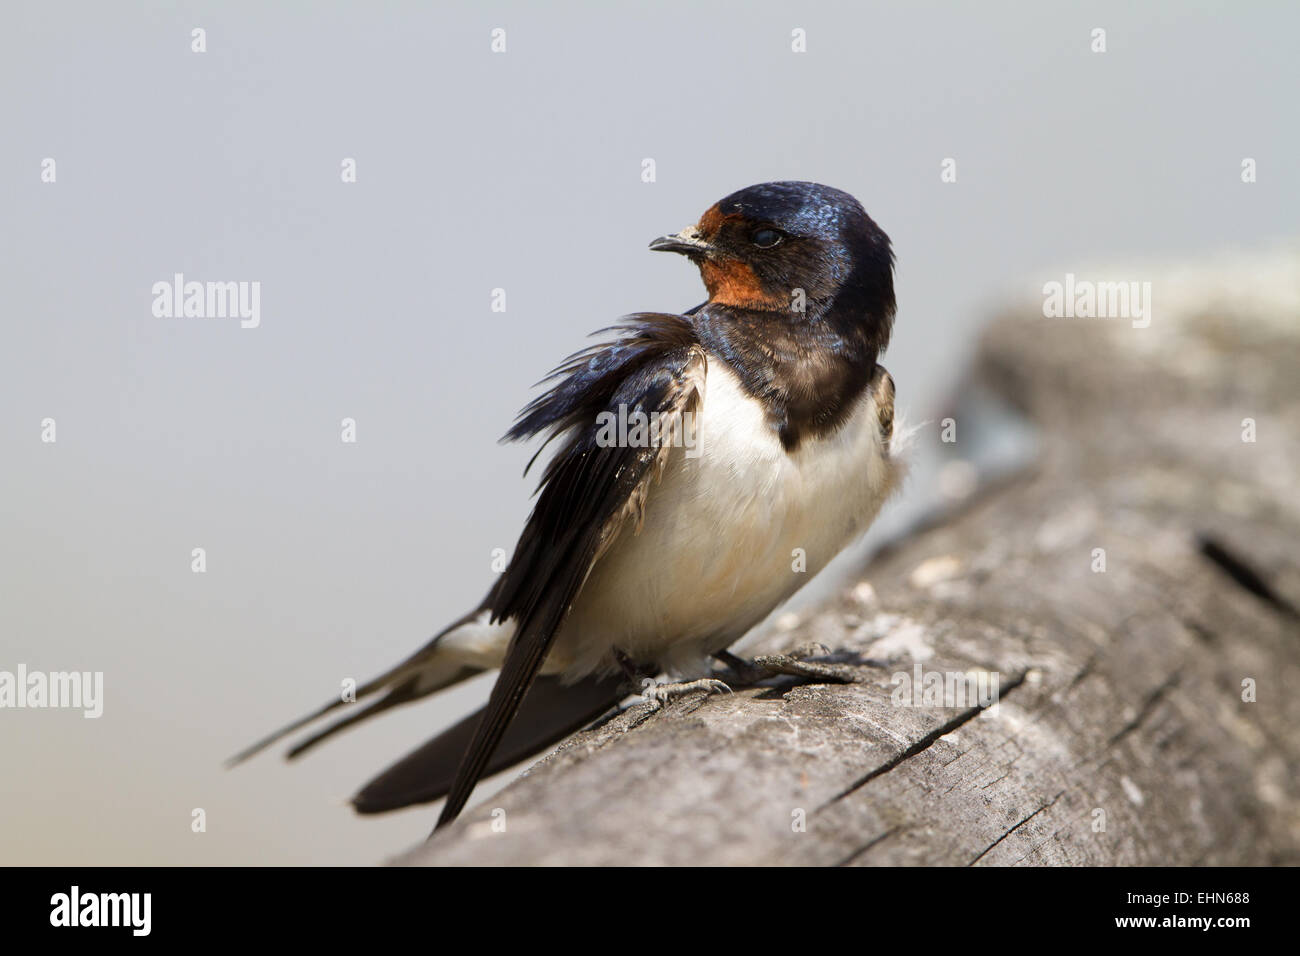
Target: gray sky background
[[476, 170]]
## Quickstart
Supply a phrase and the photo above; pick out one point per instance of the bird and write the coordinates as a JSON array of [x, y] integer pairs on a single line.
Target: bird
[[770, 448]]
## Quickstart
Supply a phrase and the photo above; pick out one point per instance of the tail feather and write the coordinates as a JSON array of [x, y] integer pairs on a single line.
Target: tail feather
[[402, 694], [550, 712], [269, 739], [410, 680]]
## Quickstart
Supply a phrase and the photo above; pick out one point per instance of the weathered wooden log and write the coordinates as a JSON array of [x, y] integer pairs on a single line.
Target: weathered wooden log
[[1135, 592]]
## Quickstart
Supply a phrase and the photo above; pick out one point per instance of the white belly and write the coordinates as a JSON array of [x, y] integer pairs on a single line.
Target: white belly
[[728, 535]]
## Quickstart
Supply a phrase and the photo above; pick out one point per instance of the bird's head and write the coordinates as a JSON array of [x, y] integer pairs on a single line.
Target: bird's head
[[778, 246]]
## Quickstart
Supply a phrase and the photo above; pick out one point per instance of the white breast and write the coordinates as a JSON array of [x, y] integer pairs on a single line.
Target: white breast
[[728, 535]]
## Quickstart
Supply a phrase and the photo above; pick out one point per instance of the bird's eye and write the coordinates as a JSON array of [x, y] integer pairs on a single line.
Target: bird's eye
[[765, 238]]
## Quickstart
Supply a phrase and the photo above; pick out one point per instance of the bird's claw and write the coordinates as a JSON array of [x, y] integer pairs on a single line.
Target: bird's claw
[[657, 694]]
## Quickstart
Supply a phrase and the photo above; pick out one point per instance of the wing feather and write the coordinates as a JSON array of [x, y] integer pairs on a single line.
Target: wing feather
[[588, 494]]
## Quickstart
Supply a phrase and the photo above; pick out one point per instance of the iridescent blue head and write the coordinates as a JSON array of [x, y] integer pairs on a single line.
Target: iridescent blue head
[[771, 247]]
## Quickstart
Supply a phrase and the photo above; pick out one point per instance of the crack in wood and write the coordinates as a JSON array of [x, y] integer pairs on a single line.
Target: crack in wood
[[1015, 828], [1144, 712], [863, 849], [924, 743], [1087, 670], [1244, 574]]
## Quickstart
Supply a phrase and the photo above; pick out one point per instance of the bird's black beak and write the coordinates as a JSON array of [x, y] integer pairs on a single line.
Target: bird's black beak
[[688, 242]]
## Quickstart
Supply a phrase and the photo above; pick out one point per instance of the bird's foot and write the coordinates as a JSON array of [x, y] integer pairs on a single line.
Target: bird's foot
[[794, 664], [657, 694]]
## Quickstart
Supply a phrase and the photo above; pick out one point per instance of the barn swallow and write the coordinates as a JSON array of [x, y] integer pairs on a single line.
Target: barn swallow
[[649, 550]]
